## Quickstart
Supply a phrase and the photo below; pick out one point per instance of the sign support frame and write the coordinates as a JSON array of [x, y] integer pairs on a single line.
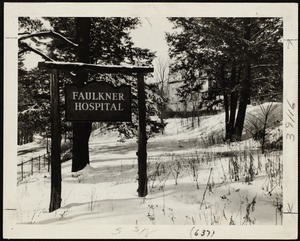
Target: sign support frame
[[55, 197], [142, 138]]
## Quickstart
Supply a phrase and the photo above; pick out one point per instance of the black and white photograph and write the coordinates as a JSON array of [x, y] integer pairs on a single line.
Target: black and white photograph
[[142, 121]]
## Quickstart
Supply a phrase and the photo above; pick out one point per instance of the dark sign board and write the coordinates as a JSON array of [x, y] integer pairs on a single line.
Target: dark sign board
[[98, 102]]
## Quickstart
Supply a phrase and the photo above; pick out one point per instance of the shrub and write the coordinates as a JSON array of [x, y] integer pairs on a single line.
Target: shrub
[[66, 151]]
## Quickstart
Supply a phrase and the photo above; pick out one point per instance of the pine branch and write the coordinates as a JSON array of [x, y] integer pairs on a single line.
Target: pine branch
[[255, 36], [265, 39], [256, 118], [223, 25], [260, 78], [264, 65], [28, 48], [48, 33]]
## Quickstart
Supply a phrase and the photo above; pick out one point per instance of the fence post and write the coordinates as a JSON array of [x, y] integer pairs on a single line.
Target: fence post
[[44, 161], [22, 169], [39, 163], [31, 166]]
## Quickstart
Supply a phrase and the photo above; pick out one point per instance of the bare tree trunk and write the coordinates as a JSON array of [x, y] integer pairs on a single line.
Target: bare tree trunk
[[226, 108], [245, 93], [226, 102], [81, 134], [82, 131], [243, 106], [19, 138], [162, 107], [233, 104], [193, 113], [162, 75]]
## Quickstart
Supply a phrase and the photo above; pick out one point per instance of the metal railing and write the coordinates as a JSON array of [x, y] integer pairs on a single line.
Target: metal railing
[[33, 165]]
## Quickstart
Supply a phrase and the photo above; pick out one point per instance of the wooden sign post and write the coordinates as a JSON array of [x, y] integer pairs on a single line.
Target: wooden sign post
[[142, 144], [55, 201]]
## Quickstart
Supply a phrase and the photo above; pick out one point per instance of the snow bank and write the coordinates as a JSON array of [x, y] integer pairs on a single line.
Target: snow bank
[[208, 193]]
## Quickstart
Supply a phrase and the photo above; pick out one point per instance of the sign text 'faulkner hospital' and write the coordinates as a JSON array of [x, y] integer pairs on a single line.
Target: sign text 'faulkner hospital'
[[98, 102], [103, 106]]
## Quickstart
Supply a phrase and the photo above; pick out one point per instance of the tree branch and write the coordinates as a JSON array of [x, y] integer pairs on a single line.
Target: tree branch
[[260, 31], [260, 78], [28, 48], [23, 33], [224, 25], [23, 51], [48, 33], [265, 39], [263, 65]]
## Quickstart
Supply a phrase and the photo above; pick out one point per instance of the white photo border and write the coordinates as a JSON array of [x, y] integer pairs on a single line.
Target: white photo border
[[287, 11]]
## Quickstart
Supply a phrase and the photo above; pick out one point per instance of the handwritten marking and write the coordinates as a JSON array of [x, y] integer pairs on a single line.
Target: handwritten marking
[[291, 118], [288, 124], [145, 231], [194, 233], [290, 136], [118, 231], [290, 207], [291, 105], [289, 42], [290, 114]]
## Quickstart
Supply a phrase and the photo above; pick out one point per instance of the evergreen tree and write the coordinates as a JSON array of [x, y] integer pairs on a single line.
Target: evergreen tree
[[32, 110], [109, 43], [241, 56]]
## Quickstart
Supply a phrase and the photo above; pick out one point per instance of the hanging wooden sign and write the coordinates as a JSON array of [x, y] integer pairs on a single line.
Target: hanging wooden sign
[[98, 101]]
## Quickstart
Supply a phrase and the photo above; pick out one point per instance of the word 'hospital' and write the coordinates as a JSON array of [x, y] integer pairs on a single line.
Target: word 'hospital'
[[98, 106]]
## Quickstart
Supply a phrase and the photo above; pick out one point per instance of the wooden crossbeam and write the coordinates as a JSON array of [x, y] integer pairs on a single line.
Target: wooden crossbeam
[[105, 69]]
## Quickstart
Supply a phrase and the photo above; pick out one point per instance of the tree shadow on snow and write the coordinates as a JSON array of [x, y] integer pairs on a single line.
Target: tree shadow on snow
[[101, 209]]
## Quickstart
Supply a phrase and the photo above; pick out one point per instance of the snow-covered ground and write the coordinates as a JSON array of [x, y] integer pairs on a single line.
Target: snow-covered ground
[[32, 150], [190, 182]]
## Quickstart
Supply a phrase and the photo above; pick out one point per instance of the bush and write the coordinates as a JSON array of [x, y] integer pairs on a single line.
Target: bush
[[259, 124], [66, 156], [66, 151], [213, 138]]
